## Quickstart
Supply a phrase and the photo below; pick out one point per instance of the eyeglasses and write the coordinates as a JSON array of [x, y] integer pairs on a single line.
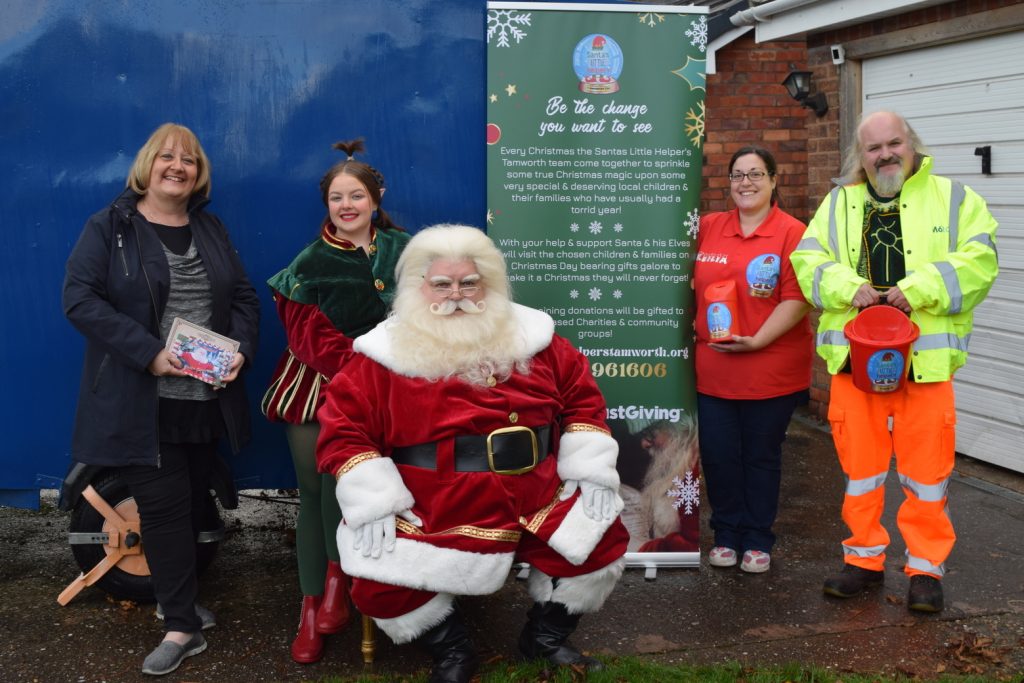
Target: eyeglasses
[[446, 289], [754, 176]]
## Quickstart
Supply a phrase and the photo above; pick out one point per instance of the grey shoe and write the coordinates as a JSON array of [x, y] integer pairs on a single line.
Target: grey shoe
[[168, 656], [205, 616]]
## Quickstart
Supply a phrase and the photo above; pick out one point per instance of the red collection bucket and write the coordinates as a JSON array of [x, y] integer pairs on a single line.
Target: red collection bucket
[[880, 339]]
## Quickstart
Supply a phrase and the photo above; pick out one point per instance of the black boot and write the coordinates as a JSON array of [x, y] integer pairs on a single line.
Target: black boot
[[851, 581], [546, 635], [455, 660]]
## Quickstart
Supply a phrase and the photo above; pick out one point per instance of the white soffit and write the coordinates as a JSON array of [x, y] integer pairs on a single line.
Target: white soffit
[[779, 19]]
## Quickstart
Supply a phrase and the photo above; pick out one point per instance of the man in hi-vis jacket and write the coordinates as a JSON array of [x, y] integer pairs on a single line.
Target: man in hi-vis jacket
[[894, 234]]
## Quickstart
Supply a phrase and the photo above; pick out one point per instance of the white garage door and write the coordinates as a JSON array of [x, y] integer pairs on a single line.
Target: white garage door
[[959, 97]]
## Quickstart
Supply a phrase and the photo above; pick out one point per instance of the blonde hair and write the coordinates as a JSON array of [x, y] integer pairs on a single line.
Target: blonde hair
[[142, 167], [853, 172]]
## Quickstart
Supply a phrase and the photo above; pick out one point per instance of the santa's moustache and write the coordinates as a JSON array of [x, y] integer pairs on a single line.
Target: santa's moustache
[[449, 306]]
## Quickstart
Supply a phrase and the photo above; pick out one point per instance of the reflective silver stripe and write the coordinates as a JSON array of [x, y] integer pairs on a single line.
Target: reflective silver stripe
[[816, 284], [810, 244], [956, 296], [956, 198], [832, 338], [927, 493], [923, 565], [940, 340], [985, 239], [833, 230], [863, 551], [858, 487]]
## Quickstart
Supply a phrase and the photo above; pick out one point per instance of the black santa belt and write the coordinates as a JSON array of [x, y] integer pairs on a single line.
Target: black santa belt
[[509, 450]]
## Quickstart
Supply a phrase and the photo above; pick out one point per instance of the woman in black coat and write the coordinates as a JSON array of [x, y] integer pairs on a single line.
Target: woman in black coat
[[152, 255]]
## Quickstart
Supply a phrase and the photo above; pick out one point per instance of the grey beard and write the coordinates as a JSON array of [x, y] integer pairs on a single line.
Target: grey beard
[[889, 185]]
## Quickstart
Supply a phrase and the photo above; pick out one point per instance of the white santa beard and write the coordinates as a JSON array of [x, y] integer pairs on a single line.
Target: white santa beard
[[470, 347]]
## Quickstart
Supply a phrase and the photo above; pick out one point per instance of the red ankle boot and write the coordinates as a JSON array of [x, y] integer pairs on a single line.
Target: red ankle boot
[[333, 613], [308, 646]]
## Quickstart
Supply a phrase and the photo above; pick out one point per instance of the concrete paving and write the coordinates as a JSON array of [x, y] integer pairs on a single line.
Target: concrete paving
[[691, 616]]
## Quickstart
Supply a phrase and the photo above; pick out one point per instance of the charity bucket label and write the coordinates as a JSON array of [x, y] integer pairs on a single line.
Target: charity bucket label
[[719, 321], [885, 370]]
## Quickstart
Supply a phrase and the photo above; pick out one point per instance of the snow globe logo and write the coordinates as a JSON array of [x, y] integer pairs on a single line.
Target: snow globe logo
[[597, 61], [885, 369], [763, 275]]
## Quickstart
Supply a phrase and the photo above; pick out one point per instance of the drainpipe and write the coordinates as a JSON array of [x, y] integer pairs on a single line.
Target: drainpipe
[[749, 17]]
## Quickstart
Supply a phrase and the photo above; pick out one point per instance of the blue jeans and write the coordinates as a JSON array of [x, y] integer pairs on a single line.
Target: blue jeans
[[741, 455]]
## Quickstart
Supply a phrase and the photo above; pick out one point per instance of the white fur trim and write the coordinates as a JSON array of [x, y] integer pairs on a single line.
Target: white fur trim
[[426, 567], [580, 594], [371, 490], [410, 626], [578, 535], [536, 327], [589, 456]]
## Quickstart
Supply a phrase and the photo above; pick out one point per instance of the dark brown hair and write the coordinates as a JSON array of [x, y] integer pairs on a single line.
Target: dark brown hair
[[769, 165], [371, 178]]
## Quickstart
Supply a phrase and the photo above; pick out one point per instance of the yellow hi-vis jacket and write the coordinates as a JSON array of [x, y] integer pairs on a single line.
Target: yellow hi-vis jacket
[[951, 262]]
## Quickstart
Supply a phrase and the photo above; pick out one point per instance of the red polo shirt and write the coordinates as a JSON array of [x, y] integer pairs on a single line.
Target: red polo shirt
[[759, 265]]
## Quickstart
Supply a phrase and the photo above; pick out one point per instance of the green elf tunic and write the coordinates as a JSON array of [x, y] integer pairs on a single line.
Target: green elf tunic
[[331, 293]]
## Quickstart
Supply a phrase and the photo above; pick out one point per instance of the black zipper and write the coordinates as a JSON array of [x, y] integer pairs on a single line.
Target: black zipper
[[120, 250], [99, 372]]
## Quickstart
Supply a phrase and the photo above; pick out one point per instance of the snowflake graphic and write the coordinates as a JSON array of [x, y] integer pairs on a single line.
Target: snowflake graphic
[[686, 492], [575, 227], [692, 223], [574, 294], [652, 19], [617, 293], [595, 228], [699, 33], [506, 23], [617, 227], [696, 129], [594, 293]]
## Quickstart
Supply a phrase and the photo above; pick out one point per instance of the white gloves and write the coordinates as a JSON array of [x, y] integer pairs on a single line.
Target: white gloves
[[379, 534], [598, 501]]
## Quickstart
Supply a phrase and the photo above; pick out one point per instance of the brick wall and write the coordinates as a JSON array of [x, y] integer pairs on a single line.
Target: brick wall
[[746, 104]]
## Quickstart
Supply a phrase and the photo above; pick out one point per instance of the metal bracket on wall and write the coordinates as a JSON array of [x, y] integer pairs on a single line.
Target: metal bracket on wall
[[986, 158]]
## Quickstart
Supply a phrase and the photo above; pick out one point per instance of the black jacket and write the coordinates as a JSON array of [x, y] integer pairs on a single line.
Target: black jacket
[[115, 291]]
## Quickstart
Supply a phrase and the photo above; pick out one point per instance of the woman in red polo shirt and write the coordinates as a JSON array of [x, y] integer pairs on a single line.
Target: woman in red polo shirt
[[749, 385]]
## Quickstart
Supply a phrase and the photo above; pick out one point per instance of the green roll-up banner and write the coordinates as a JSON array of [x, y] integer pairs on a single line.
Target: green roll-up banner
[[594, 132]]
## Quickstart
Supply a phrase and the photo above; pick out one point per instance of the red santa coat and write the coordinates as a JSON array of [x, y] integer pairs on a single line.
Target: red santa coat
[[474, 523]]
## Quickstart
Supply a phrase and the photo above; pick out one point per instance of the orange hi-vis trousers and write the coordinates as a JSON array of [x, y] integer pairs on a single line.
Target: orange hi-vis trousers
[[923, 440]]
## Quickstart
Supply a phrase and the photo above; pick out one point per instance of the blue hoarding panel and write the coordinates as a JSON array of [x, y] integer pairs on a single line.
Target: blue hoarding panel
[[267, 86]]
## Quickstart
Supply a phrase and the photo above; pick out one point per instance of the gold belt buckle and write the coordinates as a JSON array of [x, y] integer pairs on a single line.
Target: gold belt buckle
[[509, 430]]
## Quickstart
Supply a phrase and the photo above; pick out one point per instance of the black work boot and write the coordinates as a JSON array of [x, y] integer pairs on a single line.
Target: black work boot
[[925, 594], [546, 634], [851, 581], [455, 660]]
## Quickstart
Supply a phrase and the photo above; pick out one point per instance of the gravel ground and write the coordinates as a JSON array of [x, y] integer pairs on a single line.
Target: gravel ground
[[686, 615]]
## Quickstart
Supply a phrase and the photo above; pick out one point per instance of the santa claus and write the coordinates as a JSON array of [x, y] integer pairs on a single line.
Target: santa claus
[[465, 437]]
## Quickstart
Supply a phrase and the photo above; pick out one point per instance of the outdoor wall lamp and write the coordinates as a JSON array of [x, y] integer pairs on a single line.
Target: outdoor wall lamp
[[798, 83]]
